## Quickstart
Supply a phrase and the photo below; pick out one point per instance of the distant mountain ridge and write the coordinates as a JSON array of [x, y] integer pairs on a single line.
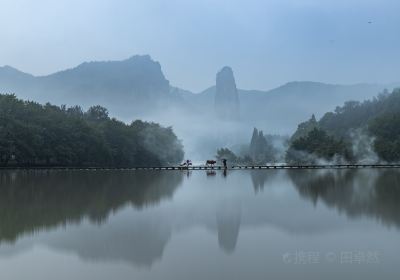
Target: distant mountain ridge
[[277, 110], [137, 81], [136, 87]]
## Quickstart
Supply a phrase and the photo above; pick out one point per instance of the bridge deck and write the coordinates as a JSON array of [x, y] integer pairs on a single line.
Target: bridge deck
[[238, 167]]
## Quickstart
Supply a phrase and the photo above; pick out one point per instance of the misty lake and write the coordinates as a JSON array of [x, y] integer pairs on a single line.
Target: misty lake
[[266, 224]]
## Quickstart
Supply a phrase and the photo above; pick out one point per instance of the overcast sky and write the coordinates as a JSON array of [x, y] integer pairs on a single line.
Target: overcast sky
[[267, 42]]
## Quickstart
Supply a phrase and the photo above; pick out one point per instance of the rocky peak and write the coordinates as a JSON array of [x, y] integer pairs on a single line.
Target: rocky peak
[[226, 97]]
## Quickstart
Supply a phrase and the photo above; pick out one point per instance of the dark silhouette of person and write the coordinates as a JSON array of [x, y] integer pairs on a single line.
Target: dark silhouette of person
[[224, 162]]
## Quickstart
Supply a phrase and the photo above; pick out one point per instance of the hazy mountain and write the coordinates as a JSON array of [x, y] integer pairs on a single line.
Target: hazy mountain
[[280, 110], [137, 88], [12, 79], [131, 87]]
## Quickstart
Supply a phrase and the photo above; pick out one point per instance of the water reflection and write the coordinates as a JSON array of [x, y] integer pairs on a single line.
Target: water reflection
[[228, 225], [358, 193], [31, 201], [260, 177], [139, 240], [211, 173], [130, 217]]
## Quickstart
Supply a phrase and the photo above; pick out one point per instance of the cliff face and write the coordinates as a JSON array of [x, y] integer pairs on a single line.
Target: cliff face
[[226, 97]]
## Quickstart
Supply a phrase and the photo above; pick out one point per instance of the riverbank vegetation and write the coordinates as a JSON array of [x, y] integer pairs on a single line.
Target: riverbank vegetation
[[355, 132], [259, 151], [32, 134]]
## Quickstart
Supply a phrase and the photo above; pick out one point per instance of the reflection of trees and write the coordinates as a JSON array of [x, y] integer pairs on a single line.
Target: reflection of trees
[[260, 177], [388, 196], [372, 193], [138, 240], [35, 200]]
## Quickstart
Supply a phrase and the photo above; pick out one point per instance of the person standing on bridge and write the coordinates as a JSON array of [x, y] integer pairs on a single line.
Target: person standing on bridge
[[224, 162]]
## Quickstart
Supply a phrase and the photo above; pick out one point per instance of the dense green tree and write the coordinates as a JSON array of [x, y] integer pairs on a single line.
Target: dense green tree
[[304, 128], [386, 130], [32, 134], [317, 145], [354, 115], [377, 119], [97, 113], [260, 150]]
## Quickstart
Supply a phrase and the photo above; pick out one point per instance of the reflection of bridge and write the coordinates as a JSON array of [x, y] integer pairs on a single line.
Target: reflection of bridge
[[201, 167]]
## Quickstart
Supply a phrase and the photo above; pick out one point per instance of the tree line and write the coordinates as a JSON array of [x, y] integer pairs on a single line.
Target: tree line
[[32, 134], [336, 133], [259, 151]]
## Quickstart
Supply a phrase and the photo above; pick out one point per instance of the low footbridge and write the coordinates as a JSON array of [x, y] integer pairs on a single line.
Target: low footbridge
[[202, 167]]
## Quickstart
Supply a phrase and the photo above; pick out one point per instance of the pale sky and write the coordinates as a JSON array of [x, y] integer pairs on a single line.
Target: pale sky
[[266, 42]]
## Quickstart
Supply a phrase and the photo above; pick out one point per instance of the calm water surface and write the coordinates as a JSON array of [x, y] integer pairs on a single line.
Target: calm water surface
[[296, 224]]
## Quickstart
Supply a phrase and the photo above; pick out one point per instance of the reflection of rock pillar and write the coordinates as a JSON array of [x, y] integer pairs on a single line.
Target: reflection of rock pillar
[[228, 225]]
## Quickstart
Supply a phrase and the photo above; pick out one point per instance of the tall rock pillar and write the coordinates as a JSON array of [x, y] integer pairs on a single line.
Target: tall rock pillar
[[227, 105]]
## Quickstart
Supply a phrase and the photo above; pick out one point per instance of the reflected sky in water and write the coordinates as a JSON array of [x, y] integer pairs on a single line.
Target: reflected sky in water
[[256, 224]]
